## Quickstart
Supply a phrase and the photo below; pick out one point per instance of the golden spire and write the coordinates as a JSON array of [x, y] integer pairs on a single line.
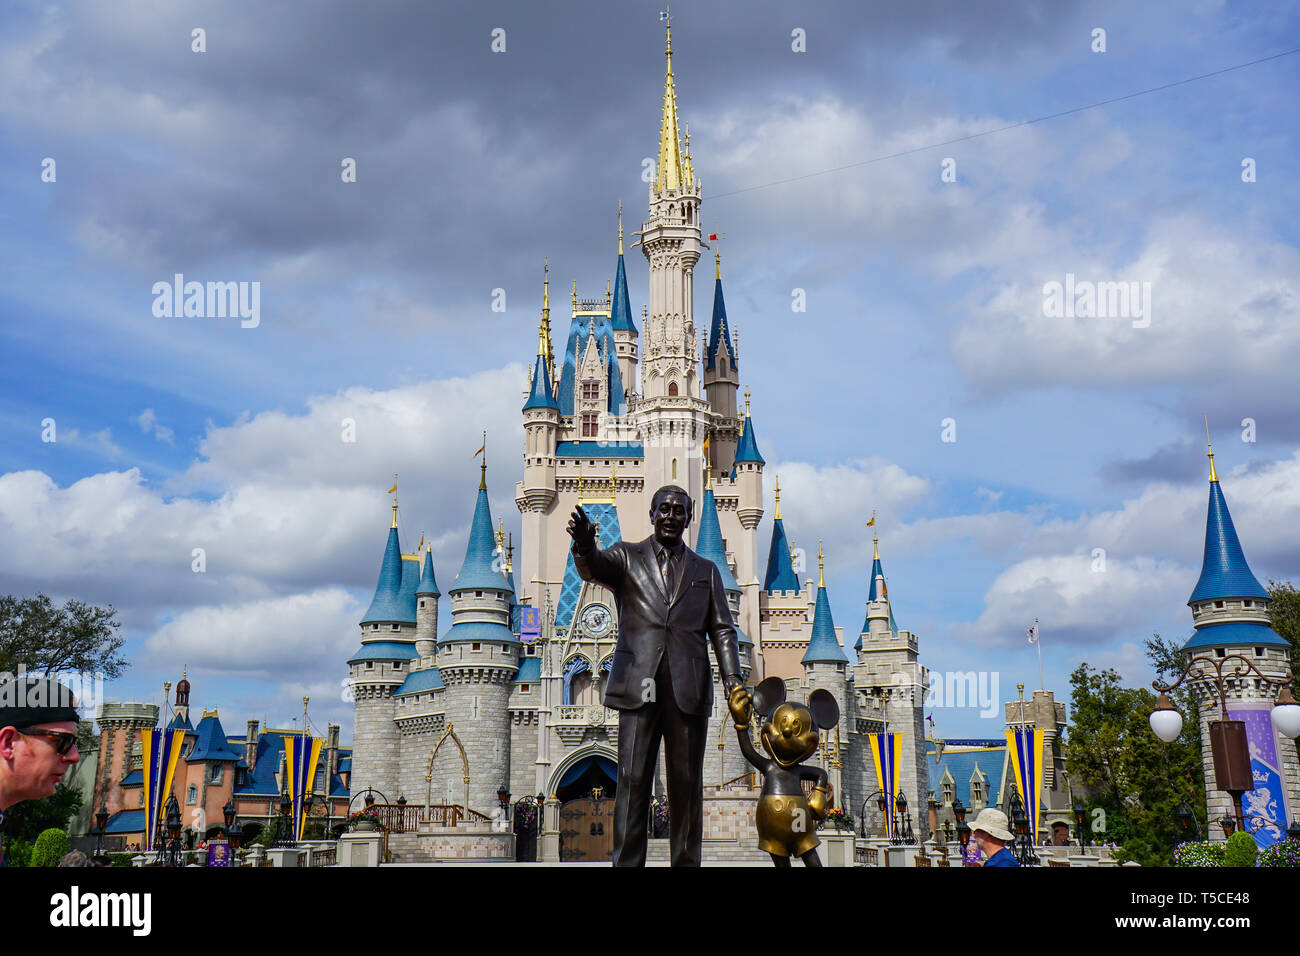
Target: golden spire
[[1213, 475], [821, 581], [670, 156], [544, 326], [394, 524], [501, 534], [875, 541], [717, 258], [510, 552], [690, 173], [777, 516], [708, 474], [620, 227], [482, 476]]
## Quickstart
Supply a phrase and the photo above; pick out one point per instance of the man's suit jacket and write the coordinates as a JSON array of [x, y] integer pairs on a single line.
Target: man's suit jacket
[[650, 626]]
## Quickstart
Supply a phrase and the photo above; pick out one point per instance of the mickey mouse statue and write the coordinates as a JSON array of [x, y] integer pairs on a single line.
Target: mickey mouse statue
[[785, 817]]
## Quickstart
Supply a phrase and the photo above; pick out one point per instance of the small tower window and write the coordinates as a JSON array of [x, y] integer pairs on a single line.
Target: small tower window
[[476, 646], [1259, 652], [590, 425], [674, 468], [192, 795], [1218, 604], [1248, 603], [397, 665], [523, 688], [591, 391], [478, 593], [672, 388], [394, 627]]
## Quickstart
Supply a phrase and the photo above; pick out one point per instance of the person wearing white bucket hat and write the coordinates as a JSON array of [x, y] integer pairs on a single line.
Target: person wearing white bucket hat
[[990, 831]]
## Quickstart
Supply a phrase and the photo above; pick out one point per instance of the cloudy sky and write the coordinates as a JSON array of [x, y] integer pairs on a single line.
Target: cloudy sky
[[824, 169]]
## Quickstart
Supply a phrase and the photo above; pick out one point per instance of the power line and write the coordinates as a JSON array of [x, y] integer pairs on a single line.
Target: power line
[[1002, 129]]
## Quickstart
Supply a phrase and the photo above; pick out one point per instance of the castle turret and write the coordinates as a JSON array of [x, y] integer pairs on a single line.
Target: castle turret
[[382, 663], [825, 667], [780, 564], [426, 610], [721, 381], [478, 659], [1230, 614], [624, 326], [748, 471]]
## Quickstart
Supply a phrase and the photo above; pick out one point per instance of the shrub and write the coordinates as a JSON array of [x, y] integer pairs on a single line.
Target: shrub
[[120, 859], [1242, 850], [18, 853], [1198, 854], [51, 847], [1282, 853]]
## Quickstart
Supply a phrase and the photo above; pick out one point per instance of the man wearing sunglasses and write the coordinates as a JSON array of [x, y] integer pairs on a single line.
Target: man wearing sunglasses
[[38, 740]]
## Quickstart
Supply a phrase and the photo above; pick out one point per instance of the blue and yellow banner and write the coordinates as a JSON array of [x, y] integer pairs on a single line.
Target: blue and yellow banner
[[1026, 749], [300, 756], [887, 753], [160, 750]]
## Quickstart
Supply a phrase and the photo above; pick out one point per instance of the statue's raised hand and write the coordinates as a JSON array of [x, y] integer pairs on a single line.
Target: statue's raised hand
[[582, 530]]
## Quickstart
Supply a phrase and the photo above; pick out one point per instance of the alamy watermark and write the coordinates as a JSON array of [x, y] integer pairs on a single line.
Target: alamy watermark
[[1085, 299], [87, 689], [212, 300]]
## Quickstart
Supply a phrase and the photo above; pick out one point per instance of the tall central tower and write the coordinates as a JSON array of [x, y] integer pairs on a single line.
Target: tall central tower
[[671, 416]]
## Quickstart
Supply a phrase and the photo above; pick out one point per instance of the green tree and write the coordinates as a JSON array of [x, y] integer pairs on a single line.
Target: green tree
[[51, 847], [29, 819], [47, 639], [1136, 779], [1285, 613]]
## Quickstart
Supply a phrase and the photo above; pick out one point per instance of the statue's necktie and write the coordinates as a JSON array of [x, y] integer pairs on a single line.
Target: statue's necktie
[[666, 565]]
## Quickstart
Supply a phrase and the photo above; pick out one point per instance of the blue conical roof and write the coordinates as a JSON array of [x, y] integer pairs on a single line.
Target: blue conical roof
[[1224, 572], [388, 606], [823, 647], [428, 583], [212, 743], [621, 314], [579, 329], [481, 568], [708, 543], [719, 333], [780, 567], [541, 395], [747, 447]]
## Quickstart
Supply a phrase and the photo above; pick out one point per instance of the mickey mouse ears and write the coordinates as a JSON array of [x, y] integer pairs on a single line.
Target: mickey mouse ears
[[825, 710], [768, 696]]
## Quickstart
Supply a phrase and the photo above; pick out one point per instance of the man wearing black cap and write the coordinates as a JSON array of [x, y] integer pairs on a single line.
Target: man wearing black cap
[[38, 740]]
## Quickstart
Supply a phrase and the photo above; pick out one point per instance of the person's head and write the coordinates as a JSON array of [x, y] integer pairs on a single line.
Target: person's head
[[671, 511], [38, 738], [989, 831]]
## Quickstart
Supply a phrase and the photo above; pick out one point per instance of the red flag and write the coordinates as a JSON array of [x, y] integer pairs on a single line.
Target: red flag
[[713, 236]]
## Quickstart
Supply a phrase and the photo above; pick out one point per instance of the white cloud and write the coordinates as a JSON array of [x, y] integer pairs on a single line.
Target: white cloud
[[148, 422]]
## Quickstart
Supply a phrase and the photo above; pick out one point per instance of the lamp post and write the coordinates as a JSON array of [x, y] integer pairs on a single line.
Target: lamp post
[[881, 803], [1023, 843], [963, 830], [902, 822], [228, 816], [173, 852], [1185, 817], [1081, 824], [283, 830], [1229, 749], [101, 818]]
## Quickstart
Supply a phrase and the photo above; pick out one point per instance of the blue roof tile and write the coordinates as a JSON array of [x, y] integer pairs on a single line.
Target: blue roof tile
[[1224, 572], [1242, 633], [384, 651], [747, 447], [211, 743], [621, 314], [428, 583], [823, 646], [780, 566], [719, 333], [482, 569], [125, 821], [708, 543], [478, 631], [593, 450], [540, 396], [418, 682], [530, 670], [387, 607]]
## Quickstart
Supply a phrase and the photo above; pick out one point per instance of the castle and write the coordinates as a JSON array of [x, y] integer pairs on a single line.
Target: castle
[[490, 704]]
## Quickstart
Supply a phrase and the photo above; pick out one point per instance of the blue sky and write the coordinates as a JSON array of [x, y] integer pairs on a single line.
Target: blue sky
[[924, 303]]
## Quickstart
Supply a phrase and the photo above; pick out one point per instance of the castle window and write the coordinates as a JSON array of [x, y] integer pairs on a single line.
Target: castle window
[[476, 646], [1218, 604], [216, 774], [1220, 652], [590, 391], [672, 388], [421, 604], [1259, 652], [192, 795], [370, 665], [394, 626], [397, 666], [374, 627], [523, 688], [1248, 603], [589, 426]]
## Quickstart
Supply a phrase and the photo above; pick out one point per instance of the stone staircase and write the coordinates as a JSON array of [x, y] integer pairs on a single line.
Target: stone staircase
[[713, 852]]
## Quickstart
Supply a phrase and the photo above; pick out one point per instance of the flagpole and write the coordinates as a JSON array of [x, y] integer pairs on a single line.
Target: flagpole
[[1038, 641]]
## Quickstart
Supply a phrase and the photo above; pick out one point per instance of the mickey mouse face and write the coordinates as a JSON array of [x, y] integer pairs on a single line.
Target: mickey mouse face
[[790, 735]]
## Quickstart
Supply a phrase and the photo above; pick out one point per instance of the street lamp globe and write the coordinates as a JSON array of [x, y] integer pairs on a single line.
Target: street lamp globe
[[1286, 714], [1166, 723]]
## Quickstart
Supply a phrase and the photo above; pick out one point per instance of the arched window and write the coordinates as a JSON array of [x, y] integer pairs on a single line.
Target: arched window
[[674, 469], [672, 388]]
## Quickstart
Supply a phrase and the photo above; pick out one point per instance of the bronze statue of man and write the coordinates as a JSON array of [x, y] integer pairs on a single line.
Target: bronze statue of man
[[670, 605]]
